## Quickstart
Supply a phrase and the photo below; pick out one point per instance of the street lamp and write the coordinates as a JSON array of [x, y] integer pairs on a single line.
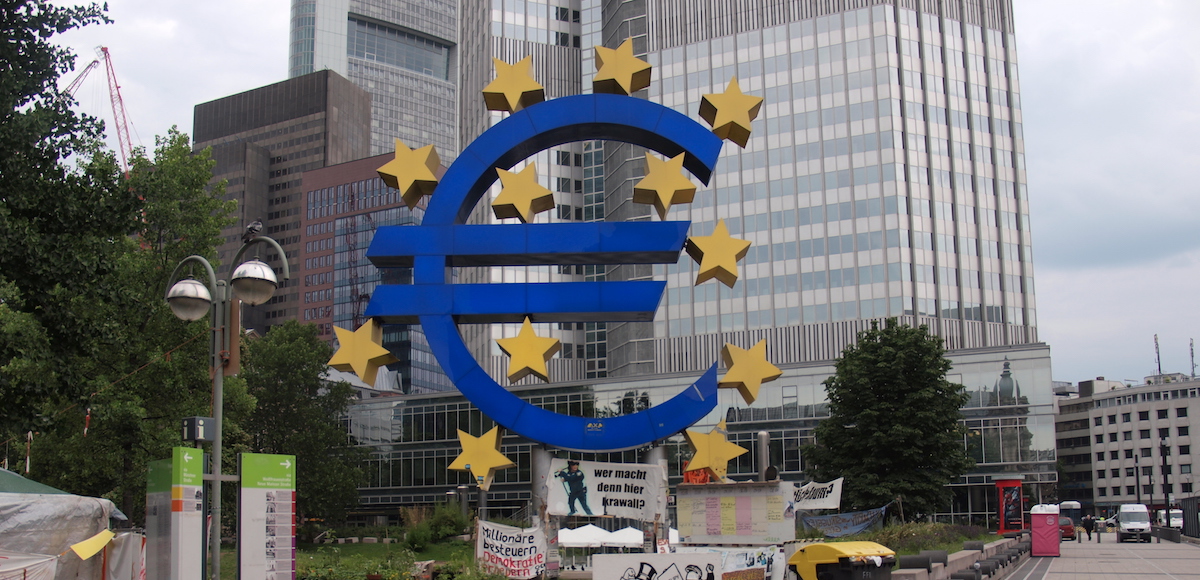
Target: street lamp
[[1163, 449], [253, 282]]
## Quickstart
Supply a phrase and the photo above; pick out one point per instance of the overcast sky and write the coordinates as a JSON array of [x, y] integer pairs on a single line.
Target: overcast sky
[[1110, 93]]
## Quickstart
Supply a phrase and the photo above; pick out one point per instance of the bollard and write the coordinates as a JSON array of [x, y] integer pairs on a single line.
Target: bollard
[[1099, 534]]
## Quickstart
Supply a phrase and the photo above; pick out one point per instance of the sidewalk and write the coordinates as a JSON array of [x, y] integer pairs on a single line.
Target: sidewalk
[[1110, 561]]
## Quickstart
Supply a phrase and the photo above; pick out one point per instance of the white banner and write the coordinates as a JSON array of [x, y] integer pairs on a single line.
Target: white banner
[[819, 496], [678, 566], [629, 490], [514, 552], [766, 563]]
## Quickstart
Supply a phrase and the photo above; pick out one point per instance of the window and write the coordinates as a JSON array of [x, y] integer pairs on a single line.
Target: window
[[1100, 439], [562, 39], [1147, 489], [1130, 490], [1116, 491], [1115, 473], [1126, 417], [1099, 474], [1099, 421], [564, 157], [562, 14], [1185, 449], [1166, 451], [1185, 468], [1128, 454], [1112, 419], [1145, 452], [1143, 415], [1128, 435], [1162, 413], [1099, 456], [1129, 472], [1147, 470], [1182, 431], [1112, 455], [1184, 487], [1103, 491], [1164, 432], [1144, 434], [1181, 412]]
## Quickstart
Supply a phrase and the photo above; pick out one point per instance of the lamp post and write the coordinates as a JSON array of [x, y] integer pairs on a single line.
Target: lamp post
[[190, 299], [1137, 472], [1163, 450]]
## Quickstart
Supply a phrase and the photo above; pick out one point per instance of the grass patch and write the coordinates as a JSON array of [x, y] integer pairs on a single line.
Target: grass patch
[[345, 560], [909, 539]]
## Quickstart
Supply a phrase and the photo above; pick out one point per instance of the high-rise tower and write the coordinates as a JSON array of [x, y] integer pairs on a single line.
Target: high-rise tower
[[402, 52]]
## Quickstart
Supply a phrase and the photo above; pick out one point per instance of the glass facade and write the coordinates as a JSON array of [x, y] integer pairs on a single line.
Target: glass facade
[[383, 44]]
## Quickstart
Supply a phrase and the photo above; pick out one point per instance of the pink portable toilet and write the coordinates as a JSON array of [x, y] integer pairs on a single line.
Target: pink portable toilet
[[1043, 519]]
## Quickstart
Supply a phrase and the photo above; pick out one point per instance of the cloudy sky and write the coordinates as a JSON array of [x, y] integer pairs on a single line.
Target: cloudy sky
[[1110, 92]]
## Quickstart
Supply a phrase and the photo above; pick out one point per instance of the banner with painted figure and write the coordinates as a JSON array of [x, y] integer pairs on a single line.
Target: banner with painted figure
[[818, 496], [677, 566], [519, 553], [765, 563], [628, 490], [838, 525]]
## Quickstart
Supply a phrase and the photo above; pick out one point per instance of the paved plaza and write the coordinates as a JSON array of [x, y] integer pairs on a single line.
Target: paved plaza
[[1110, 560]]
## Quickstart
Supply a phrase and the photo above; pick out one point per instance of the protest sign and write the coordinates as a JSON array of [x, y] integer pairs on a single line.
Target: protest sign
[[838, 525], [696, 566], [606, 489], [514, 552], [818, 496]]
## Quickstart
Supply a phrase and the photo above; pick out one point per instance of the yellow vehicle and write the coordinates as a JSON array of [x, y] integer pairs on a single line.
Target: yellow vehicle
[[838, 560]]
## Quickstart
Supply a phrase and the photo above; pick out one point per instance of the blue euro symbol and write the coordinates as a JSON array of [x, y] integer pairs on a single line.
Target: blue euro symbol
[[443, 241]]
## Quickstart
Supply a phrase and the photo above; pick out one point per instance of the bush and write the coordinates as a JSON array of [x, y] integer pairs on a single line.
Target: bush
[[419, 537], [447, 520], [911, 538], [329, 564]]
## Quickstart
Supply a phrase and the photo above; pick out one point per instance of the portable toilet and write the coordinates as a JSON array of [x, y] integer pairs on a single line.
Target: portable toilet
[[1043, 519]]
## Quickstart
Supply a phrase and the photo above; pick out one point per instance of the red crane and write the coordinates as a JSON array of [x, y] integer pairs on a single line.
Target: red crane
[[118, 107], [120, 119]]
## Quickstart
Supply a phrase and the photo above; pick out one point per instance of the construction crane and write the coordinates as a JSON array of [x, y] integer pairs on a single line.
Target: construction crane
[[120, 119]]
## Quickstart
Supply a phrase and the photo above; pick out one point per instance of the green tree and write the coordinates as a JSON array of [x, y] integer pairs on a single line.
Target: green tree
[[299, 413], [154, 368], [894, 428]]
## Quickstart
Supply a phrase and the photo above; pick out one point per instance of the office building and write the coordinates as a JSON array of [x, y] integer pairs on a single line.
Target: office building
[[1128, 444], [884, 177], [262, 141], [403, 52]]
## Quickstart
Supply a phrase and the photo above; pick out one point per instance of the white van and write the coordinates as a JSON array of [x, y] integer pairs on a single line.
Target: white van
[[1132, 521], [1175, 521]]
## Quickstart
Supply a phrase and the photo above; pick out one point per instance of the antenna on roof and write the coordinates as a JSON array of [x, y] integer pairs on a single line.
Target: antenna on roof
[[1192, 349], [1157, 356]]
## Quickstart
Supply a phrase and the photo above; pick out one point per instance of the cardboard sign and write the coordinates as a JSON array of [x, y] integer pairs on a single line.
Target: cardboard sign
[[514, 552]]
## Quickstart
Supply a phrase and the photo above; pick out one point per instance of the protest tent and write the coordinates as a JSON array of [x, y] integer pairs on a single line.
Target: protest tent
[[589, 536], [37, 520], [625, 538]]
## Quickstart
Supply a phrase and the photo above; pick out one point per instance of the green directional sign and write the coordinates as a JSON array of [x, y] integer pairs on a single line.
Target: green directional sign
[[189, 466], [265, 471]]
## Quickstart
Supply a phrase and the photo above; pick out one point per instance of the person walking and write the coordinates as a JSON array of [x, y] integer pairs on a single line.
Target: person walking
[[1089, 524]]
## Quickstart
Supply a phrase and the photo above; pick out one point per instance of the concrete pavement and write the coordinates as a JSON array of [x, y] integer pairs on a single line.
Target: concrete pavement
[[1110, 561]]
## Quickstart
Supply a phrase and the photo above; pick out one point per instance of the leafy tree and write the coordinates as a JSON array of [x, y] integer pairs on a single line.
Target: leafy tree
[[894, 428], [299, 413], [155, 369]]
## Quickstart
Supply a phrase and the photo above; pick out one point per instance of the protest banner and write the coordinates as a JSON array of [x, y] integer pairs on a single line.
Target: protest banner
[[747, 512], [695, 566], [838, 525], [765, 563], [519, 553], [606, 489], [818, 496]]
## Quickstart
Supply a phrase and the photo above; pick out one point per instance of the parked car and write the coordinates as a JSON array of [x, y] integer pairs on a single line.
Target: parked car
[[1066, 528]]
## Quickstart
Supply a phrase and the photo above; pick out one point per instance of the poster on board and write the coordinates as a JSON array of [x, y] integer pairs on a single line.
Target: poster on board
[[754, 513], [589, 488], [519, 553], [267, 525], [677, 566]]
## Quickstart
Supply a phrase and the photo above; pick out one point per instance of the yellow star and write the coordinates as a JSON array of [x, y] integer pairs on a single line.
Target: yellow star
[[730, 113], [361, 351], [748, 369], [717, 255], [664, 184], [522, 196], [528, 353], [513, 88], [712, 451], [481, 456], [413, 172], [619, 72]]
